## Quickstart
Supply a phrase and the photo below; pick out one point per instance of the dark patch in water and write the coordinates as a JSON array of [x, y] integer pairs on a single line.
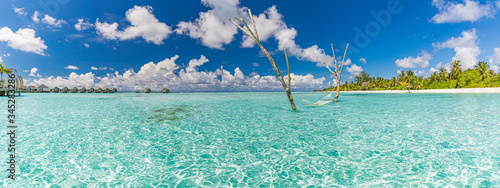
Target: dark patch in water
[[171, 113]]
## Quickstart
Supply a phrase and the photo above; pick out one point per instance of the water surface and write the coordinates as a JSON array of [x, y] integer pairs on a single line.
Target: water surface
[[254, 139]]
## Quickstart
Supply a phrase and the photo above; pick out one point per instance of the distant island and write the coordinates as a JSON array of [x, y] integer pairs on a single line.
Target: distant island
[[481, 76]]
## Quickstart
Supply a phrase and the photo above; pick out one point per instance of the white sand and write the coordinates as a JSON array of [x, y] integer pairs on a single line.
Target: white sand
[[462, 90]]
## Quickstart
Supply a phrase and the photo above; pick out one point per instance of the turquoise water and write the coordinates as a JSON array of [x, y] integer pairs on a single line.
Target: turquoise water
[[254, 139]]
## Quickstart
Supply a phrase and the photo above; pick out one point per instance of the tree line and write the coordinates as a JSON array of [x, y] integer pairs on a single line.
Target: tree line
[[454, 77]]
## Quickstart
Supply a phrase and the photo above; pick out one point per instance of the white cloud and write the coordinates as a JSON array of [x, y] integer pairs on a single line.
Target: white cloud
[[23, 39], [495, 60], [100, 68], [354, 69], [1, 60], [52, 21], [347, 62], [215, 30], [167, 73], [143, 24], [34, 73], [466, 48], [213, 26], [35, 17], [469, 11], [498, 4], [71, 67], [363, 60], [255, 64], [421, 61], [26, 71], [86, 45], [20, 11], [81, 25]]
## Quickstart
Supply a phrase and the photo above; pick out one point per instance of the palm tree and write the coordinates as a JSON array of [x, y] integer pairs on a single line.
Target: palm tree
[[5, 70], [482, 67], [442, 74], [456, 69]]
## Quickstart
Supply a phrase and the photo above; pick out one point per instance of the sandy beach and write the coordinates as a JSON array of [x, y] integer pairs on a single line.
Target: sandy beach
[[462, 90]]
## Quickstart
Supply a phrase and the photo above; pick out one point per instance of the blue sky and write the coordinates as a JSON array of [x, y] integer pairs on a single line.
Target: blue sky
[[191, 45]]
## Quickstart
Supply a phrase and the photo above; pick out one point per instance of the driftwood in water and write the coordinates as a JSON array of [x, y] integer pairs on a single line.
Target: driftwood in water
[[338, 68], [255, 36]]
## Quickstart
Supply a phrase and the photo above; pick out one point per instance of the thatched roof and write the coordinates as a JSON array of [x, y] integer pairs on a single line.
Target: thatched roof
[[43, 86]]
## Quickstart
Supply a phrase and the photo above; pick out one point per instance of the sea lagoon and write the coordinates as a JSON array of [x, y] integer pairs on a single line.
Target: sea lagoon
[[255, 140]]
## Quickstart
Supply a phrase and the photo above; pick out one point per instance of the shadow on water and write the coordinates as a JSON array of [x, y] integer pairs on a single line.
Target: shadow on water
[[171, 113]]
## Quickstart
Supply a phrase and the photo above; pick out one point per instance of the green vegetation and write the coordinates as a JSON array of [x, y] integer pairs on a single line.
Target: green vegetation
[[480, 76]]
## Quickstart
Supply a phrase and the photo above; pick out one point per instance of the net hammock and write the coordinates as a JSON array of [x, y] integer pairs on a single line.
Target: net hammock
[[325, 100]]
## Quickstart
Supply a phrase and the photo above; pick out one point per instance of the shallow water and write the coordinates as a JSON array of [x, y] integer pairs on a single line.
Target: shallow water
[[254, 139]]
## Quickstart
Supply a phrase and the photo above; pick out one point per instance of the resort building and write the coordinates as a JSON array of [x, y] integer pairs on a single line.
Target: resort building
[[43, 88], [107, 90], [82, 90], [55, 90], [114, 90], [90, 90], [64, 89], [98, 90], [146, 90], [31, 88], [165, 90], [73, 90], [25, 88]]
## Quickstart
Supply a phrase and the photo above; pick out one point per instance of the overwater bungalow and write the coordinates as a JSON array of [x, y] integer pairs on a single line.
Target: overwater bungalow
[[98, 90], [107, 90], [73, 90], [82, 90], [64, 89], [146, 90], [43, 88], [25, 88], [165, 90], [114, 90], [31, 88], [55, 90], [90, 90]]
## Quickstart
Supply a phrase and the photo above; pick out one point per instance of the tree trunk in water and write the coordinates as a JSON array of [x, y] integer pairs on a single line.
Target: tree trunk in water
[[287, 89], [337, 93]]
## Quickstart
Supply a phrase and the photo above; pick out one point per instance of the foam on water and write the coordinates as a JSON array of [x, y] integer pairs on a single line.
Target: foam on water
[[254, 139]]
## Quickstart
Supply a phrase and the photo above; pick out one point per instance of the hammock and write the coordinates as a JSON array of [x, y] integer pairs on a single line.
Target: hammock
[[325, 100]]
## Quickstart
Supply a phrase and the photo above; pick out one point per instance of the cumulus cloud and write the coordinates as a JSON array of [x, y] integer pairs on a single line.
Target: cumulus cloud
[[421, 61], [168, 73], [20, 11], [213, 27], [23, 39], [99, 68], [347, 62], [363, 60], [468, 11], [143, 23], [1, 60], [354, 69], [86, 45], [83, 25], [495, 60], [35, 17], [34, 73], [52, 21], [466, 48], [71, 67]]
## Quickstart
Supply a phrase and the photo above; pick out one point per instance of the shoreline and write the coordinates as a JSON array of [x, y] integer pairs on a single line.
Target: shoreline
[[460, 90]]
